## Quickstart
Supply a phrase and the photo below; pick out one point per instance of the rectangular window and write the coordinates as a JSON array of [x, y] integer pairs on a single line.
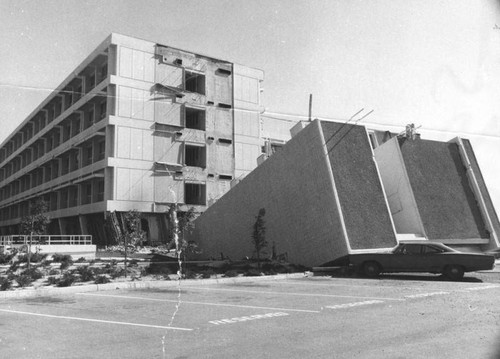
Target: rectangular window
[[195, 118], [100, 191], [195, 193], [89, 118], [195, 156], [102, 110], [87, 193], [104, 71], [73, 196], [194, 82], [101, 150]]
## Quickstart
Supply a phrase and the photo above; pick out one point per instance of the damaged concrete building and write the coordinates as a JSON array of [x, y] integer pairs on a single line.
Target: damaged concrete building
[[336, 189], [136, 126]]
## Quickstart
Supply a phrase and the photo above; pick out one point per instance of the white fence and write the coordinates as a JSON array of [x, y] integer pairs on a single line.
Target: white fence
[[46, 240]]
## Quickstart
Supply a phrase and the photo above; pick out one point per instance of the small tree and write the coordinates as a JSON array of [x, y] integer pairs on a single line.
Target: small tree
[[259, 234], [35, 223], [182, 223], [133, 235]]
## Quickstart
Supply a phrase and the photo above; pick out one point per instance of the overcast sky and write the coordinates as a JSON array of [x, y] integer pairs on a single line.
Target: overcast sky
[[432, 63]]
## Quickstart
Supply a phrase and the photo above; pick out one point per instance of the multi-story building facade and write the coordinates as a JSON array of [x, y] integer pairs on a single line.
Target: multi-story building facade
[[136, 126]]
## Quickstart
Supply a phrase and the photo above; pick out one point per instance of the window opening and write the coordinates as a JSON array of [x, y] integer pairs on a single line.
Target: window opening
[[225, 141], [195, 193], [195, 156], [194, 82], [195, 118]]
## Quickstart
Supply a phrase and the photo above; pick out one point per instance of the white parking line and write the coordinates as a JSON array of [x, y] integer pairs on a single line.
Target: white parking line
[[302, 282], [93, 320], [291, 293], [200, 303], [483, 287], [245, 318], [423, 295], [356, 304]]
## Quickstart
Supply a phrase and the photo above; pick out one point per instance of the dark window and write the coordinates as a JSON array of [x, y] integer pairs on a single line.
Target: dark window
[[195, 118], [195, 193], [195, 82], [195, 156], [102, 110], [101, 150], [104, 71], [412, 249], [225, 141], [100, 190], [431, 249], [89, 120]]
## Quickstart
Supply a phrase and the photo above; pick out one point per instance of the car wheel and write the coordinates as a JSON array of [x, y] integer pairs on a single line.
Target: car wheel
[[371, 269], [454, 272]]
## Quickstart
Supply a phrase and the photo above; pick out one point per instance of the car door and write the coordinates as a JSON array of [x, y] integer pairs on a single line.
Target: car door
[[407, 258], [433, 259]]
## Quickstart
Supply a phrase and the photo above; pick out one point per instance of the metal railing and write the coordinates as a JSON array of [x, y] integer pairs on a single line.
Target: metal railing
[[46, 240]]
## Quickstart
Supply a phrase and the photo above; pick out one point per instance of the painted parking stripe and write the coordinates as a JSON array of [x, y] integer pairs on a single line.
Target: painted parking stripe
[[201, 303], [93, 320], [348, 284], [355, 304], [483, 287], [291, 293], [246, 318], [423, 295]]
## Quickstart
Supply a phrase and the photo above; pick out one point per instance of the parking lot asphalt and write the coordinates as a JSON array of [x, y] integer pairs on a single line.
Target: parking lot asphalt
[[399, 316]]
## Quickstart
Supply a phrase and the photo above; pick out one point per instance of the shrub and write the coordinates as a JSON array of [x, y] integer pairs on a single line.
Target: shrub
[[53, 271], [231, 273], [133, 263], [33, 273], [52, 280], [37, 257], [46, 262], [81, 260], [252, 273], [58, 257], [24, 280], [5, 283], [86, 273], [101, 279], [5, 258], [158, 269], [66, 280], [207, 273], [14, 267], [118, 272]]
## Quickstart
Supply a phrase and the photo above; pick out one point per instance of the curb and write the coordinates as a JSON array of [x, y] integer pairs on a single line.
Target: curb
[[51, 291]]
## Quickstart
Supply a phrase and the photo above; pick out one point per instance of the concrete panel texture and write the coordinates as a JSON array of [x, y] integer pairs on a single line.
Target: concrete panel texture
[[366, 215], [301, 218], [444, 197]]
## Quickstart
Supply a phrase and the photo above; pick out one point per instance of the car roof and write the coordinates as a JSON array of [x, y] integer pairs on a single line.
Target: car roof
[[419, 241]]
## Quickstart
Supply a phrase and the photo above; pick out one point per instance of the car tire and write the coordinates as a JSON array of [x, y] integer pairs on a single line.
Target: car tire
[[454, 272], [371, 269]]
